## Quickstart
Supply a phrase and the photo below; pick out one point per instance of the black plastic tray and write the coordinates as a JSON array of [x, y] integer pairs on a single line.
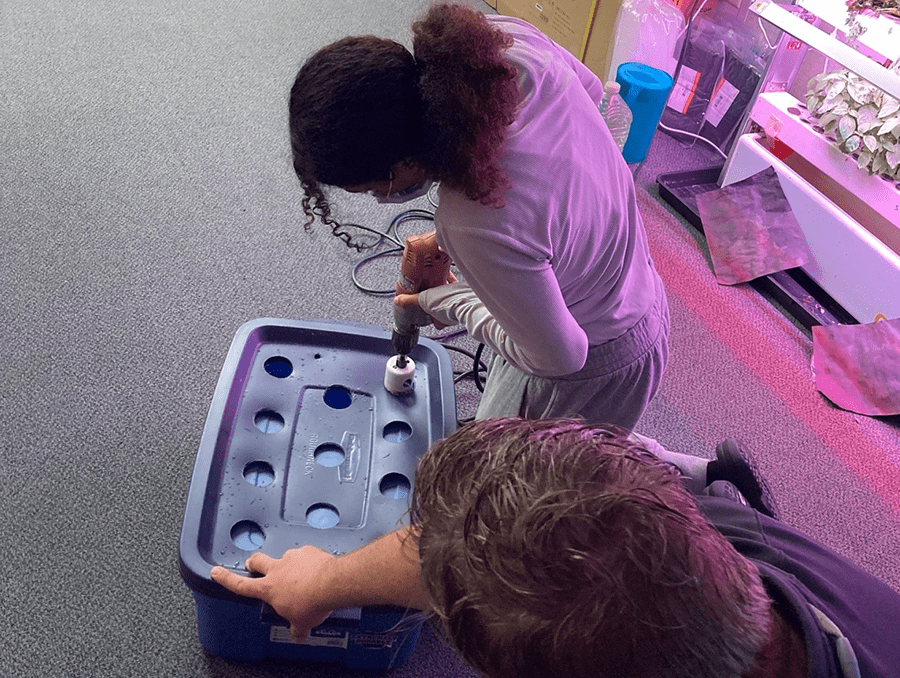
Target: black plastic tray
[[793, 289]]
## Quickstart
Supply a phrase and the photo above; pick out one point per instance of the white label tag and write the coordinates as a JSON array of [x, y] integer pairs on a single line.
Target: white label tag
[[723, 97], [684, 89], [375, 641], [318, 638]]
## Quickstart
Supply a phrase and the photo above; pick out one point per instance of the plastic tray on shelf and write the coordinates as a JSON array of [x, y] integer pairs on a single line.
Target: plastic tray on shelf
[[793, 289]]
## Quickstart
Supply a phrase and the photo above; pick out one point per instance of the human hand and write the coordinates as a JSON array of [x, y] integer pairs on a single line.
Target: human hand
[[292, 585], [412, 301]]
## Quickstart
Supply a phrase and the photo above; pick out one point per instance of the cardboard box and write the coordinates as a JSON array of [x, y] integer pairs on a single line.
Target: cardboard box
[[600, 40], [568, 22], [584, 27]]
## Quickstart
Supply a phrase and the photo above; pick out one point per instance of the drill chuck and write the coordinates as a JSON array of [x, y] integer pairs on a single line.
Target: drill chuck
[[404, 341]]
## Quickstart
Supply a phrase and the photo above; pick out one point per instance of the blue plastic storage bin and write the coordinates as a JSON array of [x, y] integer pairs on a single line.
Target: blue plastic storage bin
[[303, 445]]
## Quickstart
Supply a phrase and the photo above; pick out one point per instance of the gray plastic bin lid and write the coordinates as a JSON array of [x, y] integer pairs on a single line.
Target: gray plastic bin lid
[[304, 445]]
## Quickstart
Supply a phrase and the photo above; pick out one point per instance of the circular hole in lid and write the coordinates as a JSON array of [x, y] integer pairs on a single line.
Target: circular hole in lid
[[322, 516], [279, 366], [394, 486], [396, 431], [337, 397], [329, 454], [259, 473], [268, 421], [247, 535]]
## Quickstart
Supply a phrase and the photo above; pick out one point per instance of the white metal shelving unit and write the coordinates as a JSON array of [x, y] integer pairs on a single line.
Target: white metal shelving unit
[[851, 219]]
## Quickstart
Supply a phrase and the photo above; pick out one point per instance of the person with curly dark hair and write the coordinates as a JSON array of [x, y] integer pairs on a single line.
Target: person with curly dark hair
[[558, 549], [537, 206]]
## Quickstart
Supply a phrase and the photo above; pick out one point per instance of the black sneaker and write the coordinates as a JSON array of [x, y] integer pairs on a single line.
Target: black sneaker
[[734, 464], [725, 490]]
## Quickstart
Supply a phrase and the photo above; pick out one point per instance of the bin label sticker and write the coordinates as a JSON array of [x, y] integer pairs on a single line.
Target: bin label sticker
[[684, 89], [723, 97], [318, 637], [375, 641]]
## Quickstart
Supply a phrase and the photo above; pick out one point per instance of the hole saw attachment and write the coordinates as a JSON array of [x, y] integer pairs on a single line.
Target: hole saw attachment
[[423, 264]]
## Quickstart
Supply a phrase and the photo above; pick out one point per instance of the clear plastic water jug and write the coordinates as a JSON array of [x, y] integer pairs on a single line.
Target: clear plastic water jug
[[646, 32]]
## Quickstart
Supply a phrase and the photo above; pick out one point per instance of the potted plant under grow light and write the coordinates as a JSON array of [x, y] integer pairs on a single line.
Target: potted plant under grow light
[[864, 120]]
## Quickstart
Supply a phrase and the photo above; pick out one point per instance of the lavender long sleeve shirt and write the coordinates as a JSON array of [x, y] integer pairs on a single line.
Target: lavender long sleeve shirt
[[565, 264]]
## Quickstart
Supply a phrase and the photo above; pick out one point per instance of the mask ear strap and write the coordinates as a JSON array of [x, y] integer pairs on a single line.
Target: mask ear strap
[[391, 185]]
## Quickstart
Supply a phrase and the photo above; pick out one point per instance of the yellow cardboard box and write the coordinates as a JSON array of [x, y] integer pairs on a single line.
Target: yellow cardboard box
[[568, 22], [600, 41], [584, 27]]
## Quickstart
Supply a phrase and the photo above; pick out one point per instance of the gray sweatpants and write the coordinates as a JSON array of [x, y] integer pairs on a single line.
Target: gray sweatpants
[[615, 386]]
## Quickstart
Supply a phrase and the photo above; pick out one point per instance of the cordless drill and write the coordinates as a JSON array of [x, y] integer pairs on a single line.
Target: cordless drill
[[423, 265]]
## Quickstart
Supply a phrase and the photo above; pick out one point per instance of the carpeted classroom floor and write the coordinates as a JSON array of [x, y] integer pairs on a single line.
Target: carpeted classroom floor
[[149, 209]]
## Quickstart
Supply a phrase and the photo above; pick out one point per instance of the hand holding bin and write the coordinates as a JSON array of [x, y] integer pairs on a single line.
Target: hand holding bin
[[303, 445]]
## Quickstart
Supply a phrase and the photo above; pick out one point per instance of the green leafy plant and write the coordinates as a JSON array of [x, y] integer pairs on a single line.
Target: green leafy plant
[[890, 7], [863, 119]]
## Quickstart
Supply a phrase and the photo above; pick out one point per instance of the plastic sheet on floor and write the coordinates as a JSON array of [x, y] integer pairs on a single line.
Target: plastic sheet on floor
[[857, 367], [751, 229]]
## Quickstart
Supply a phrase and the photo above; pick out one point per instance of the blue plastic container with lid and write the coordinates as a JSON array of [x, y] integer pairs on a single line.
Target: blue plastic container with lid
[[645, 89], [304, 445]]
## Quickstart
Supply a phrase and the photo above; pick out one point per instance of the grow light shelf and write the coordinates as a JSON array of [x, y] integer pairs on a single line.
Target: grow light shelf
[[872, 201], [857, 269], [879, 36], [845, 55]]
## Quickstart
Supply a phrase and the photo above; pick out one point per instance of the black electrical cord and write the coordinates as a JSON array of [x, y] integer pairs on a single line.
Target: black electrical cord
[[477, 365], [392, 235], [394, 251]]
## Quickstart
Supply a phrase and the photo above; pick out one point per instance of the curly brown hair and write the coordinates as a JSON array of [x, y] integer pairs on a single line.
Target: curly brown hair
[[555, 548], [362, 104], [471, 95]]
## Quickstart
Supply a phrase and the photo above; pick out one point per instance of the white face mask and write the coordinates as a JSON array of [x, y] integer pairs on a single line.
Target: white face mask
[[412, 192]]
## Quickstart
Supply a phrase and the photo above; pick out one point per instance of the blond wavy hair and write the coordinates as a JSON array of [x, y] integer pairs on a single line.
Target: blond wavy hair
[[557, 549]]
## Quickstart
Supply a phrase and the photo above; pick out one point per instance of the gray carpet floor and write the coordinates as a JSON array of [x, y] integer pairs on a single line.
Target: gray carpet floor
[[148, 209]]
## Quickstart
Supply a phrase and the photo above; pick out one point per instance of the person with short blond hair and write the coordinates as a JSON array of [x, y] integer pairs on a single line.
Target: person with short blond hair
[[555, 548]]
